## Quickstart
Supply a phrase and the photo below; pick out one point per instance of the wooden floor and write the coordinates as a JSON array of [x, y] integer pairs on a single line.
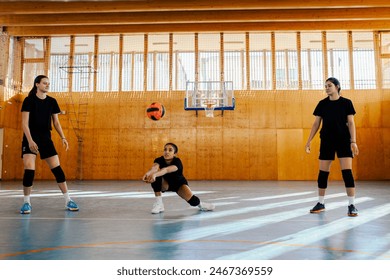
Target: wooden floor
[[255, 220]]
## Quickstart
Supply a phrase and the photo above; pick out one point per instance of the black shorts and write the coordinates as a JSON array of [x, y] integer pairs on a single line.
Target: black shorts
[[45, 146], [157, 185], [328, 149]]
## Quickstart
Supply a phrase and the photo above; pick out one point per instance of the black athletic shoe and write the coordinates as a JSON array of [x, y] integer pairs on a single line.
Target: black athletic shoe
[[318, 208], [352, 211]]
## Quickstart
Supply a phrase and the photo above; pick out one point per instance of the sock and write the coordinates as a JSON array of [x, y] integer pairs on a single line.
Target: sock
[[321, 199], [159, 199], [67, 197], [27, 199], [351, 200]]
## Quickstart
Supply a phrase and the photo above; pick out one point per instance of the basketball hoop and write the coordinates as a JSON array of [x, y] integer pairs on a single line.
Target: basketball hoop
[[209, 106]]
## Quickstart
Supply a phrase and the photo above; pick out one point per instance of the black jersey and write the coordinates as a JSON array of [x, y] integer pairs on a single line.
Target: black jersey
[[334, 114], [174, 179], [41, 111]]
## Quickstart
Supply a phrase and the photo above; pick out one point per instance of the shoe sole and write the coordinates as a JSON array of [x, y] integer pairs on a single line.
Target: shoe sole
[[157, 212], [73, 209], [206, 210], [352, 215], [154, 212], [317, 211], [25, 212]]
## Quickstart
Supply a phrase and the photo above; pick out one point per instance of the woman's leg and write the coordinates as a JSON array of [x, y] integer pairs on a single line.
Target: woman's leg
[[54, 164], [349, 181], [28, 180], [158, 186], [185, 192], [322, 185]]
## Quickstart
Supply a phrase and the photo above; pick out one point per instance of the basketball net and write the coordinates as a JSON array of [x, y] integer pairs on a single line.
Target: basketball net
[[209, 108]]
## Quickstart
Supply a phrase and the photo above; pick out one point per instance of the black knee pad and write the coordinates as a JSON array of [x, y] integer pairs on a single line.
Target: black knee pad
[[348, 178], [28, 177], [323, 179], [194, 201], [59, 174]]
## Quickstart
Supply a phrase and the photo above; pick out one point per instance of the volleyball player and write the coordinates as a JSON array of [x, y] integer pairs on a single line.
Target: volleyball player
[[338, 135], [166, 174], [39, 112]]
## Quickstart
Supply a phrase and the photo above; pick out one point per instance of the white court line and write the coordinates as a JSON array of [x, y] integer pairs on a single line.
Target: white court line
[[243, 210], [253, 223], [289, 243], [224, 198], [166, 194], [277, 196], [57, 193]]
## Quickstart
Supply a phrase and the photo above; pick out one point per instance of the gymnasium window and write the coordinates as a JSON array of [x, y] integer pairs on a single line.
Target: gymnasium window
[[118, 62], [260, 61]]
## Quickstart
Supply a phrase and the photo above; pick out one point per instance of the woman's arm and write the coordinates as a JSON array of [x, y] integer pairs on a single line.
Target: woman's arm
[[352, 132], [57, 126], [154, 172], [314, 129], [26, 130]]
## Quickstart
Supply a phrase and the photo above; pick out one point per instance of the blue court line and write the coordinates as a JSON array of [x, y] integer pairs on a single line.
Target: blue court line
[[385, 255]]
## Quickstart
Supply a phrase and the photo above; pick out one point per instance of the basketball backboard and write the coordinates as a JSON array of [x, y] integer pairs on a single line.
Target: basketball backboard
[[209, 96]]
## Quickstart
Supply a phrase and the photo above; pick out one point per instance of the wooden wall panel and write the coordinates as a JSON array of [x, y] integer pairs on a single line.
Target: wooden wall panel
[[263, 139], [288, 113], [131, 153], [371, 156], [239, 118], [262, 153], [105, 154], [386, 109], [386, 154], [368, 108], [290, 154], [235, 154], [209, 154], [12, 151], [261, 108]]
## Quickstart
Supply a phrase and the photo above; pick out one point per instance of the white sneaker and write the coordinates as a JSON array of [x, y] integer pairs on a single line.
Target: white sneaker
[[158, 207], [204, 206]]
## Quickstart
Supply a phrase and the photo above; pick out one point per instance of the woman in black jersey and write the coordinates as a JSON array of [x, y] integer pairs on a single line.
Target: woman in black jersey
[[338, 135], [39, 112], [166, 174]]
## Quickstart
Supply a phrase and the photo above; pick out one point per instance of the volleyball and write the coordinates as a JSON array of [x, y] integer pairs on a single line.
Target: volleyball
[[155, 111]]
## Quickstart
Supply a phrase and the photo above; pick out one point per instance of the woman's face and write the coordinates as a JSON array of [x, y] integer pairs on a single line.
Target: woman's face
[[330, 88], [43, 86], [169, 152]]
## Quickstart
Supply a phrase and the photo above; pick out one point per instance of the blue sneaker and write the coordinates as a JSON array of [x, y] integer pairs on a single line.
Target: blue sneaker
[[72, 206], [26, 208]]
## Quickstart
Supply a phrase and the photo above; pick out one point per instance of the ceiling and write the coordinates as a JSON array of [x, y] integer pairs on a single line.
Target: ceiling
[[43, 18]]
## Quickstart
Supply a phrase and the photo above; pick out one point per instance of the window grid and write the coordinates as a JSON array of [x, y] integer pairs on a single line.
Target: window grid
[[260, 71]]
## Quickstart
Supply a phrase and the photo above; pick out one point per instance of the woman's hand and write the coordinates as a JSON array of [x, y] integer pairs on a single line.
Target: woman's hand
[[33, 147], [65, 144], [307, 148], [354, 149]]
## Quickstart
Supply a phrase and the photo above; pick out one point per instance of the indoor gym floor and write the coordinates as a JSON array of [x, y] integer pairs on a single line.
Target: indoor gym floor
[[267, 220]]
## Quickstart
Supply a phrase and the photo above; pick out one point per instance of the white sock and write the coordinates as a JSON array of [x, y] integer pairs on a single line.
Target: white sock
[[321, 199], [351, 200], [27, 199], [67, 197], [159, 199]]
